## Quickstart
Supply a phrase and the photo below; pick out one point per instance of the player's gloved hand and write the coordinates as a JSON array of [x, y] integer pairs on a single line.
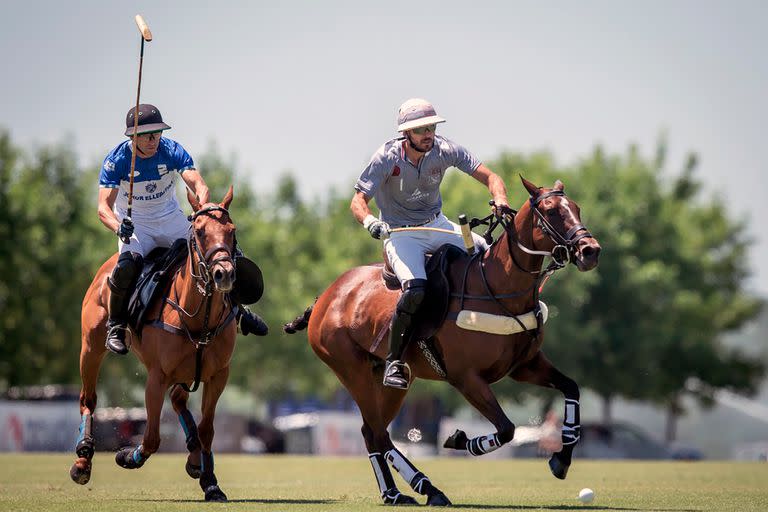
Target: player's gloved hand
[[375, 227], [378, 228], [125, 231]]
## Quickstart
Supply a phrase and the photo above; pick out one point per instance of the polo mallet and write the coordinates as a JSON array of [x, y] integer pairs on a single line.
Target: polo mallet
[[146, 35]]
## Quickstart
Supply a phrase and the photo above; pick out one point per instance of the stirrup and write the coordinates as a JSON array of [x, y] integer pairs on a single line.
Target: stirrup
[[114, 342], [397, 374]]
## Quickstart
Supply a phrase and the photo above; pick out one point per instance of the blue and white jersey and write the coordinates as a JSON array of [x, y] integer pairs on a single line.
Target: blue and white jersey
[[154, 179], [407, 194]]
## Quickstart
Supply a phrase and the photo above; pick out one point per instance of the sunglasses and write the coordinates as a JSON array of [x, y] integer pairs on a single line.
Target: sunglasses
[[424, 129], [151, 135]]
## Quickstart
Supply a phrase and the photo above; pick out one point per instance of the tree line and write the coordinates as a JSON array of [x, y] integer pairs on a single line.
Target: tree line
[[649, 319]]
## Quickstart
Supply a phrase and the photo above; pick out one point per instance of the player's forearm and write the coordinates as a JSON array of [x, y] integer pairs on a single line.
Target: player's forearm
[[359, 207], [497, 189], [108, 218], [202, 193]]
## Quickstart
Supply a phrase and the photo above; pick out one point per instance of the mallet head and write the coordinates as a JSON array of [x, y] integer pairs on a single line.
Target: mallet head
[[143, 28]]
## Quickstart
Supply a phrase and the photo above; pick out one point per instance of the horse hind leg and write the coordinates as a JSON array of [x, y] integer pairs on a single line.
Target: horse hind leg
[[179, 399], [85, 446], [392, 401], [378, 407], [541, 372]]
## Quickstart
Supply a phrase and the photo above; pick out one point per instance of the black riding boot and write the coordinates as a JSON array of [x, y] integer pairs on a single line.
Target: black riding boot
[[117, 323], [121, 283], [397, 373], [250, 322]]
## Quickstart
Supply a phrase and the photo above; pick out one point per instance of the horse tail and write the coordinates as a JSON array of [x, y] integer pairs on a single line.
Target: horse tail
[[300, 322]]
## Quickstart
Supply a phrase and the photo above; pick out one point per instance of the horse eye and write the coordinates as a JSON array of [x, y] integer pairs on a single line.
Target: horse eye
[[199, 232], [552, 213]]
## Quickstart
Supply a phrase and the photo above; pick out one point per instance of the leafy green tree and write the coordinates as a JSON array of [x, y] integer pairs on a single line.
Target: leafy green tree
[[46, 264]]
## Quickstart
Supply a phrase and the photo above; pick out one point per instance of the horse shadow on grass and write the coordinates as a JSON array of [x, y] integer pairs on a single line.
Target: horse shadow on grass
[[568, 507], [276, 501]]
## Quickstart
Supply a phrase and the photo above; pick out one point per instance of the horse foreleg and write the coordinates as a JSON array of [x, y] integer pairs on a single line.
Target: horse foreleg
[[154, 393], [85, 446], [478, 393], [542, 373], [179, 399], [211, 393]]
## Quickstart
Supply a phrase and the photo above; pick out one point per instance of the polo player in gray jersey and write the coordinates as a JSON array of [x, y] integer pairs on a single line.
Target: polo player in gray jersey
[[404, 177]]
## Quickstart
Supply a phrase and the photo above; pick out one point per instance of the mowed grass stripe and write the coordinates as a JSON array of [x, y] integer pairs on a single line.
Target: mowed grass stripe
[[40, 482]]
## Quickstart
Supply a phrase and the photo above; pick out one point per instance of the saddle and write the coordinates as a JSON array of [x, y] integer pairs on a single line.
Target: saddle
[[159, 267], [434, 309]]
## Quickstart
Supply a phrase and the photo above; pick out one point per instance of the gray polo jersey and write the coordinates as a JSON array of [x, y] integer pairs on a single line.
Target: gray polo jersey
[[407, 194]]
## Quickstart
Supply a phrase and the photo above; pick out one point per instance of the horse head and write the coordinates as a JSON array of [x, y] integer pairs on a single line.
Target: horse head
[[212, 240], [557, 227]]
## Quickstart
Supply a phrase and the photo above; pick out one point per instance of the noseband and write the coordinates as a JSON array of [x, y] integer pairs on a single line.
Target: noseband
[[565, 245], [204, 265]]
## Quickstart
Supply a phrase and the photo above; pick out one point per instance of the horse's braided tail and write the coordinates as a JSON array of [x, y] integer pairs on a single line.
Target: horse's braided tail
[[300, 322]]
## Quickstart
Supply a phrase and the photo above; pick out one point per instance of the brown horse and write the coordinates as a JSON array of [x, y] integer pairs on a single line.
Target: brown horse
[[195, 314], [350, 318]]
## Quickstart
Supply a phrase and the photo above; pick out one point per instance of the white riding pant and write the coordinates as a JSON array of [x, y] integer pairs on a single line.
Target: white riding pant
[[406, 249], [151, 233]]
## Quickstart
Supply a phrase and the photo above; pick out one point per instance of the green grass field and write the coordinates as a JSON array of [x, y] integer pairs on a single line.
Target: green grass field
[[40, 482]]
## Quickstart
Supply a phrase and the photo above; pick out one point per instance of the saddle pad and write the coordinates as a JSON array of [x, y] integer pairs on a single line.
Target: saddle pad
[[499, 324]]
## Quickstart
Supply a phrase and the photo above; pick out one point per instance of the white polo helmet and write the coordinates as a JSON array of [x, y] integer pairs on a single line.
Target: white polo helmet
[[416, 112]]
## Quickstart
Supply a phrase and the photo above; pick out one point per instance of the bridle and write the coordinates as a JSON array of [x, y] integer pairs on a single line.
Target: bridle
[[565, 245], [205, 285], [204, 263]]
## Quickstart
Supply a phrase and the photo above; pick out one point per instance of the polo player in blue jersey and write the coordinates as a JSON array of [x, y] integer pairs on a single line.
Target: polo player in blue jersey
[[156, 218]]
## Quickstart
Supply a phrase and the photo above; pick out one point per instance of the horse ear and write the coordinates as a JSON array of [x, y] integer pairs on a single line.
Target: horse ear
[[227, 198], [559, 186], [193, 201], [530, 187]]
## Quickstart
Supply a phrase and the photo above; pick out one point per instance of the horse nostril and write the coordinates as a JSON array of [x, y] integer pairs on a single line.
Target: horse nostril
[[590, 252], [217, 275]]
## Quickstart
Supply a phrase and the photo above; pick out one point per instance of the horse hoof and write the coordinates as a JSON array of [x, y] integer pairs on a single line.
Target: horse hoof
[[457, 441], [558, 469], [85, 448], [81, 471], [395, 497], [439, 500], [213, 493], [193, 471], [124, 459]]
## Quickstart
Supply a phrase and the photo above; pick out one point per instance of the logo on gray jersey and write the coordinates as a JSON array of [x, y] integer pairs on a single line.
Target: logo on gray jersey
[[417, 195], [151, 187]]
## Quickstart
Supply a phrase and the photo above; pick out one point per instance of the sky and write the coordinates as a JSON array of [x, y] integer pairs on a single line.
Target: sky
[[313, 87]]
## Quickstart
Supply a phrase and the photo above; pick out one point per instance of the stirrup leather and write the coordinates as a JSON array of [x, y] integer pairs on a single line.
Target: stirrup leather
[[397, 374]]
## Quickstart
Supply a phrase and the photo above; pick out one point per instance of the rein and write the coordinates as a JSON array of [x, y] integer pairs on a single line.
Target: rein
[[204, 284]]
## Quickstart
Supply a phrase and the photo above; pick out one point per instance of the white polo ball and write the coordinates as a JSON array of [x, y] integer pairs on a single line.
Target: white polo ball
[[586, 495]]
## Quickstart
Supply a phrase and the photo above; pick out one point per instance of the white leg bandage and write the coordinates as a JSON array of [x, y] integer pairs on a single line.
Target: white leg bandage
[[483, 444]]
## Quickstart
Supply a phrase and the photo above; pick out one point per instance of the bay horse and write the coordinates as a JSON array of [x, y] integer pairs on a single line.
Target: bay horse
[[351, 317], [195, 314]]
